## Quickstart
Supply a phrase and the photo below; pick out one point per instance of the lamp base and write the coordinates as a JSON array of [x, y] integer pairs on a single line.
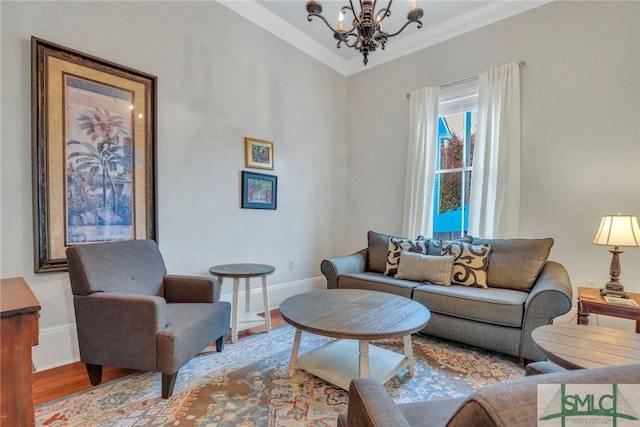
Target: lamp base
[[620, 293]]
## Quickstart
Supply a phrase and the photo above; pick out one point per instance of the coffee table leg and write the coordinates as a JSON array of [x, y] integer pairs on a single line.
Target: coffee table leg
[[294, 352], [364, 359], [408, 352]]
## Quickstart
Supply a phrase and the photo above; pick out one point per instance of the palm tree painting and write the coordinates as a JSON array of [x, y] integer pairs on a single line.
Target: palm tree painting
[[98, 175]]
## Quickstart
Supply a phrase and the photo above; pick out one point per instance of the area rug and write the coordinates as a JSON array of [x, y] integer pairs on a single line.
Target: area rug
[[248, 385]]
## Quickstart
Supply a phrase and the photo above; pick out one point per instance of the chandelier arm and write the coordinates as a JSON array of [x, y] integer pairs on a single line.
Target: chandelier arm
[[403, 27], [386, 10], [356, 18], [311, 15], [345, 40]]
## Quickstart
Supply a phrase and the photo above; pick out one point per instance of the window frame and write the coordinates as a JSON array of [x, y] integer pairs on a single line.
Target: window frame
[[456, 99]]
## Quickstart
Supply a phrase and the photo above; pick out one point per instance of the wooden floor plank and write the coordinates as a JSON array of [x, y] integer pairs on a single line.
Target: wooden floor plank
[[65, 380]]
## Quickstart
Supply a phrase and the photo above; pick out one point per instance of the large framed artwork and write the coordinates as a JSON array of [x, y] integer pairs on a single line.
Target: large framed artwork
[[259, 191], [93, 138]]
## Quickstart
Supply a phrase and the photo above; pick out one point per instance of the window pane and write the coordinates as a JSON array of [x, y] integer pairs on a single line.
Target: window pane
[[447, 221], [450, 192], [451, 137]]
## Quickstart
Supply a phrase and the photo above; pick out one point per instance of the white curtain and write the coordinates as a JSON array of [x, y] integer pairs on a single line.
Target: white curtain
[[421, 159], [494, 206]]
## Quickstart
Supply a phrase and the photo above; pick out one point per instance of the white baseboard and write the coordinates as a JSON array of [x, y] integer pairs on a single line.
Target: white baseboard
[[58, 345]]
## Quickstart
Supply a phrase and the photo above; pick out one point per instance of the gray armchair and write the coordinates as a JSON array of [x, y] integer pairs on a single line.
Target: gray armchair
[[131, 314]]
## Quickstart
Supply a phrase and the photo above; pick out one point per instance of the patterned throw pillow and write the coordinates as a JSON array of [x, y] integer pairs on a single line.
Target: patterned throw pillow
[[470, 264], [429, 268], [396, 246]]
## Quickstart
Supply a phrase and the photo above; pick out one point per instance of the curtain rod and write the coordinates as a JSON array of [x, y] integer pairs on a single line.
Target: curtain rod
[[466, 80]]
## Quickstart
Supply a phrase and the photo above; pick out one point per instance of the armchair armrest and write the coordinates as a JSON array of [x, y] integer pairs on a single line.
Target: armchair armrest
[[550, 297], [371, 406], [111, 326], [334, 267], [190, 289]]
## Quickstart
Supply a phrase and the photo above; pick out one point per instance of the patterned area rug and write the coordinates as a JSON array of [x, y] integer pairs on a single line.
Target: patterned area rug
[[248, 385]]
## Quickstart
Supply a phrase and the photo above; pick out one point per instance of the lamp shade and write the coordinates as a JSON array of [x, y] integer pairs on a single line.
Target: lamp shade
[[618, 230]]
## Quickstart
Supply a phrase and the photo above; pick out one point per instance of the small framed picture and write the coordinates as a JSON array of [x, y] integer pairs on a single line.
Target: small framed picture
[[258, 154], [259, 191]]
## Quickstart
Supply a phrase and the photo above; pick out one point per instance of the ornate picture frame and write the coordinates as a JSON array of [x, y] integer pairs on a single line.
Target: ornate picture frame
[[94, 155], [258, 154], [259, 191]]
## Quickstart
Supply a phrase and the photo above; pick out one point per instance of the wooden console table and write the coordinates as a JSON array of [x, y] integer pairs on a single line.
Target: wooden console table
[[590, 301], [19, 329]]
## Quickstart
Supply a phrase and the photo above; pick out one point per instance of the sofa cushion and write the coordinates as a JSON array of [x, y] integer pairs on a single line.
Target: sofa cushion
[[425, 268], [377, 282], [396, 246], [499, 306], [470, 262], [529, 255]]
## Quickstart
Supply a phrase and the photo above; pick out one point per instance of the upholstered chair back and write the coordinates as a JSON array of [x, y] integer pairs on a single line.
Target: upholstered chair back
[[129, 267]]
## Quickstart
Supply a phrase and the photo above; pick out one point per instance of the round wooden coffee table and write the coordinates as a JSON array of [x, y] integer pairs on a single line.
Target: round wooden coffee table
[[585, 346], [244, 271], [354, 317]]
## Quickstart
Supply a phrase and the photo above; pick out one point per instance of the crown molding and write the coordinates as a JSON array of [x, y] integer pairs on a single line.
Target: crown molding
[[261, 16], [459, 25], [396, 48]]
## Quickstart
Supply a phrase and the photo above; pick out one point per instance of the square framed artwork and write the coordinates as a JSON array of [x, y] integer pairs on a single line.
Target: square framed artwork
[[93, 140], [258, 154], [259, 191]]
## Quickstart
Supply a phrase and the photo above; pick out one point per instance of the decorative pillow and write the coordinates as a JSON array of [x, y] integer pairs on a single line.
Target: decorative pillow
[[529, 255], [470, 264], [430, 268], [435, 245], [396, 245]]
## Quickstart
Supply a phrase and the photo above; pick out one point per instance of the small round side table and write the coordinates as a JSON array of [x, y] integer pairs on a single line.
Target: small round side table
[[246, 271]]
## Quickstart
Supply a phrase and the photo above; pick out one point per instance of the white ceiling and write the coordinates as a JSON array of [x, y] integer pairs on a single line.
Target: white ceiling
[[443, 19]]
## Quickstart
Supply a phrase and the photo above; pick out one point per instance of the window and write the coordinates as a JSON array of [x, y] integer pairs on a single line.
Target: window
[[458, 107]]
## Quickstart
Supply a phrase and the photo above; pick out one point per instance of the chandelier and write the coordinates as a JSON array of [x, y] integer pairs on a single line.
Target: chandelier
[[367, 34]]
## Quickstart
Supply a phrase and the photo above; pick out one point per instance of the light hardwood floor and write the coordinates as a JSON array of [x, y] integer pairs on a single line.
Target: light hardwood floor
[[64, 380]]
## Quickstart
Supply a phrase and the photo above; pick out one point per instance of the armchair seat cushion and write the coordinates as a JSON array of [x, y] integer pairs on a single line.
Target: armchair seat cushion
[[190, 328], [493, 305]]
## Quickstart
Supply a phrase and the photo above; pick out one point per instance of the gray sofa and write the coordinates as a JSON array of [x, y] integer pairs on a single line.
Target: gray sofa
[[524, 291], [509, 403]]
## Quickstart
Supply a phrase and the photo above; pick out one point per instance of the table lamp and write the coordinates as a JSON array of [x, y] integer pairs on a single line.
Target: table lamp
[[617, 230]]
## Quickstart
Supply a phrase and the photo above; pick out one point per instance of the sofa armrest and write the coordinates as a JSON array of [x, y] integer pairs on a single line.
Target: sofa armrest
[[111, 326], [371, 406], [190, 289], [550, 297], [334, 267]]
